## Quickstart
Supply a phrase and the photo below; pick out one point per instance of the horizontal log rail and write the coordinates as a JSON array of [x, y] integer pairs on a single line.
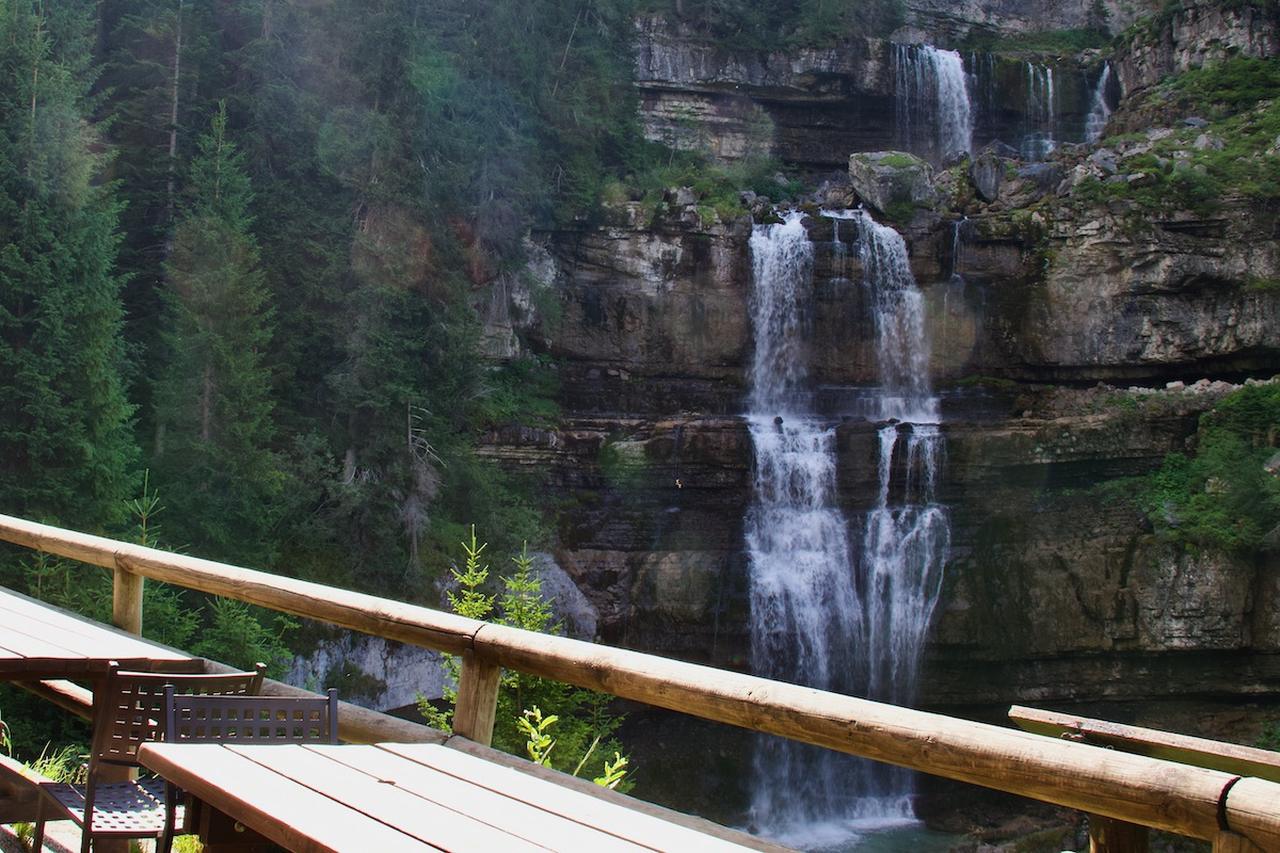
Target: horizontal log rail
[[1192, 801], [1184, 749]]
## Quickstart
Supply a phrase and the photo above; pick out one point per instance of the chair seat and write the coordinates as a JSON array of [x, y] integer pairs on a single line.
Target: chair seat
[[119, 808]]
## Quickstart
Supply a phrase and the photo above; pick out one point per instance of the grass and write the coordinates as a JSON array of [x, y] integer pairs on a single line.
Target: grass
[[1240, 98], [1044, 43], [717, 187], [898, 160]]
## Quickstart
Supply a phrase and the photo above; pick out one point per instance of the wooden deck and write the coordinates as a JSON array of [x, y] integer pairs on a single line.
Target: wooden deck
[[392, 796], [409, 797], [1236, 812], [38, 641]]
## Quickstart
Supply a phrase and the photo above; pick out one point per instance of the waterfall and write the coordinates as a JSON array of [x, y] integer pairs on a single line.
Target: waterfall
[[931, 93], [1040, 136], [1096, 122], [1039, 139], [824, 612], [907, 536]]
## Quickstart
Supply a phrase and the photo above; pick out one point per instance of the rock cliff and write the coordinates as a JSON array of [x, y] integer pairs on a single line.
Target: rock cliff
[[1061, 301]]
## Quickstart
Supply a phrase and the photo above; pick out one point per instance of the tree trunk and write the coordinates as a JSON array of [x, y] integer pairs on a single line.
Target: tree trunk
[[173, 126]]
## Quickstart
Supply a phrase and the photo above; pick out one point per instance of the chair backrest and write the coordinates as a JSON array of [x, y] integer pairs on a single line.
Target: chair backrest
[[130, 710], [251, 719]]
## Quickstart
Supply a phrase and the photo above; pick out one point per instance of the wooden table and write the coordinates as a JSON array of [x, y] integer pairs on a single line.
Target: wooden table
[[392, 797], [40, 641]]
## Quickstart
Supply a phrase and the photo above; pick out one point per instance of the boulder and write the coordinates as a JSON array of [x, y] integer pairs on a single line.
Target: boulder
[[987, 171], [885, 179]]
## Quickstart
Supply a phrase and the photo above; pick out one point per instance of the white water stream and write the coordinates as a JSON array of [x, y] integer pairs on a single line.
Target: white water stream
[[932, 92], [840, 604]]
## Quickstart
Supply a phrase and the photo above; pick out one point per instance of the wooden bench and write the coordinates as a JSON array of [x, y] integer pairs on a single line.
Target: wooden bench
[[19, 791]]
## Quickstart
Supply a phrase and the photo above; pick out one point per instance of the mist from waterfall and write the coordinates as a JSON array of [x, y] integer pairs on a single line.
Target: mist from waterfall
[[838, 604], [931, 93]]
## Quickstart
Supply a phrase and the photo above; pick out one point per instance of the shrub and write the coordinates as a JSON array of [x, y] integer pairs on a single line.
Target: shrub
[[1223, 496]]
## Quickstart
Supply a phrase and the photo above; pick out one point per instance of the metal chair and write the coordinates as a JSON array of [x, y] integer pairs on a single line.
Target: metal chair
[[243, 719], [127, 712]]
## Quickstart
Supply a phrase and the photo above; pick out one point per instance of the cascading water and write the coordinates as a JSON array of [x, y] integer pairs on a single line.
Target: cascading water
[[1099, 111], [1040, 137], [824, 613], [931, 91]]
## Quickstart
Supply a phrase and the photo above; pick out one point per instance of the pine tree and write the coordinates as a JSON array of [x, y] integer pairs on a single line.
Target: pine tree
[[66, 448], [213, 403]]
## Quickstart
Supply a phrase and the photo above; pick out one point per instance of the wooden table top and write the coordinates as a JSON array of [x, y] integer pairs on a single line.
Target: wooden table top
[[392, 797], [39, 641]]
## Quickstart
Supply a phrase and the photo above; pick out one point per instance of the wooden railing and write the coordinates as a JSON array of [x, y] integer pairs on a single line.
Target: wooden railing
[[1237, 813]]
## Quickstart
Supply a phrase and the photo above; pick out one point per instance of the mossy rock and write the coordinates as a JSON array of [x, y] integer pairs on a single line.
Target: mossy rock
[[892, 180]]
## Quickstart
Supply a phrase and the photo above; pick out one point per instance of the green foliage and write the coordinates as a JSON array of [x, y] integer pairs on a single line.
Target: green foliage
[[787, 24], [1059, 43], [614, 772], [536, 728], [540, 742], [900, 211], [242, 636], [1241, 99], [1223, 496], [522, 391], [66, 451], [213, 407], [1230, 86], [1270, 736], [716, 186], [622, 463], [585, 728], [898, 160]]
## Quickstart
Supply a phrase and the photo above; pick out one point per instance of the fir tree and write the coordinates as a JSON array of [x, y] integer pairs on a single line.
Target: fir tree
[[213, 405], [66, 449]]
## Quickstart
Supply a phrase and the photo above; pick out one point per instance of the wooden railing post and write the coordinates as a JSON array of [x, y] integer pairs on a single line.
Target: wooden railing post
[[1108, 835], [126, 601], [477, 698], [1229, 842]]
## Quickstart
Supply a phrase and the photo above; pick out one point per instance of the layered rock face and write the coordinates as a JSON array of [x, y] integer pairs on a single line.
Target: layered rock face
[[812, 107], [1042, 307], [1195, 34], [1051, 592]]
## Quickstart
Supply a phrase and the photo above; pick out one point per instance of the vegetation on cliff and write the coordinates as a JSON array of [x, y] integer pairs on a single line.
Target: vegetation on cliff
[[748, 25], [1225, 495], [1227, 150]]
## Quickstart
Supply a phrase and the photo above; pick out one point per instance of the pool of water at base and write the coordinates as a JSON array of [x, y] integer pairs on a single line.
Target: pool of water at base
[[872, 836]]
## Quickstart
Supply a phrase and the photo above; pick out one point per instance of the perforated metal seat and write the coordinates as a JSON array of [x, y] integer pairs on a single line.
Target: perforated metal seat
[[127, 712]]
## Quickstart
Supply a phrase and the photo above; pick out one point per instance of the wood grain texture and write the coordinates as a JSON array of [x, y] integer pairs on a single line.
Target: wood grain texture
[[569, 804], [1115, 836], [1253, 810], [471, 797], [126, 601], [1184, 749], [590, 789], [370, 614], [1132, 788], [293, 816], [1229, 842], [473, 716], [382, 799]]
